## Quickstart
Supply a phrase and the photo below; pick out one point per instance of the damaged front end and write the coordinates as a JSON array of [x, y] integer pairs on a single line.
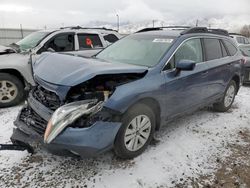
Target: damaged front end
[[68, 114], [83, 128], [6, 50], [74, 123]]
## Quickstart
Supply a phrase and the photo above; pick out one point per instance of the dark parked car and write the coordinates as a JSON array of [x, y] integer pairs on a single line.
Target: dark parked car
[[85, 106], [245, 49]]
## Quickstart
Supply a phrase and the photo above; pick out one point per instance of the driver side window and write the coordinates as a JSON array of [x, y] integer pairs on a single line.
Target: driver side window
[[190, 50], [60, 43]]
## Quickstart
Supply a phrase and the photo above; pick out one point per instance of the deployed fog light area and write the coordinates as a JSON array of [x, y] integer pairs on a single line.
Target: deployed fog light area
[[68, 114]]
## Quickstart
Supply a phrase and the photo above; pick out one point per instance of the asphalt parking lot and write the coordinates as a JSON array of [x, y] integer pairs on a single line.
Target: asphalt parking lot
[[203, 149]]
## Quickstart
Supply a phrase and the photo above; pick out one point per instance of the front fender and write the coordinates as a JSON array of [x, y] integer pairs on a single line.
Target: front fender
[[20, 63], [127, 95]]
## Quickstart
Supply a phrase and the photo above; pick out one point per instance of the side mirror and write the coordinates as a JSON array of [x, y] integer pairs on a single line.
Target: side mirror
[[50, 50], [45, 48], [184, 65]]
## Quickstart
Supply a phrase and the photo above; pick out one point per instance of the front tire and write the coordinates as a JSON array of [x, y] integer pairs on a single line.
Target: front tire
[[11, 90], [228, 98], [136, 132]]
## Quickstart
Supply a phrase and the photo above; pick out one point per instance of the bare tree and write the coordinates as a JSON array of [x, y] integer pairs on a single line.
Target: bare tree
[[245, 30]]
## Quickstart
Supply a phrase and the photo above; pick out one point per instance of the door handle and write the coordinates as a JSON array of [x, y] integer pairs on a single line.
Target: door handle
[[204, 74]]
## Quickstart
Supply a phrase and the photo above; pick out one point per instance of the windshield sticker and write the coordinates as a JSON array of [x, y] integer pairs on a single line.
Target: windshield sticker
[[163, 40]]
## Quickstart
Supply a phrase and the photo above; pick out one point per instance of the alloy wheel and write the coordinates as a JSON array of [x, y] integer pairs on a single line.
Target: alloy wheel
[[229, 97], [137, 133], [8, 91]]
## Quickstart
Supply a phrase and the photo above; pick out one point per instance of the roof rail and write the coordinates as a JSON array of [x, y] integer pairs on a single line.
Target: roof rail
[[195, 30], [235, 34], [99, 28], [161, 28], [71, 27], [79, 27], [219, 31], [205, 30]]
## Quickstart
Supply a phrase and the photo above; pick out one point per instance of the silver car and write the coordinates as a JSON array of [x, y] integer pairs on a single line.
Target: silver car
[[17, 59]]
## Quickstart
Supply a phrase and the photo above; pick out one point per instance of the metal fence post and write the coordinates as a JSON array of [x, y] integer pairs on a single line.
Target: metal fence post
[[21, 30]]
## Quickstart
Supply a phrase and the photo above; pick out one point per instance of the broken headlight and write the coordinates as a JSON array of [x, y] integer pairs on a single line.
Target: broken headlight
[[105, 115], [67, 114]]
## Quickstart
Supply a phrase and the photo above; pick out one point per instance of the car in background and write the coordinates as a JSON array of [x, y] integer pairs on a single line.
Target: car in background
[[245, 49], [119, 98], [16, 60], [240, 39]]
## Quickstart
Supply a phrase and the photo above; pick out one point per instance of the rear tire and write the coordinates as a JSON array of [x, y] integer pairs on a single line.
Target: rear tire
[[11, 90], [228, 98], [136, 132]]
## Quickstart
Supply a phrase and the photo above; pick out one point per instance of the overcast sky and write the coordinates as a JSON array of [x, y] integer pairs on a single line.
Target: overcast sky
[[57, 13]]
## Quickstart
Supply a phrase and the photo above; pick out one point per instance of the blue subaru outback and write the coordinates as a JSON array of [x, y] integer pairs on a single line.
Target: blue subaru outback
[[120, 97]]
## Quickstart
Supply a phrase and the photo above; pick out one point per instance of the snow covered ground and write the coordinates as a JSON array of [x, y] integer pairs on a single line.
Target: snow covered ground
[[188, 148]]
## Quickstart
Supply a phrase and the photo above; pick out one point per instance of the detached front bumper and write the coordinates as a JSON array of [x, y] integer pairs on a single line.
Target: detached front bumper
[[85, 142]]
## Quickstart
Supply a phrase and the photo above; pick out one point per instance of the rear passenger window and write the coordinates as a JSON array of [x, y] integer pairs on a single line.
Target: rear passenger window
[[212, 49], [89, 41], [111, 38], [190, 50], [224, 51], [230, 47]]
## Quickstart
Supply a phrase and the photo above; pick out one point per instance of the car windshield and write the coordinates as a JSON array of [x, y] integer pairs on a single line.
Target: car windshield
[[245, 50], [137, 49], [31, 40]]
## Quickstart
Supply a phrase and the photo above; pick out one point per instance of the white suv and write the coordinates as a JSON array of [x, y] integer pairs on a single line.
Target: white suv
[[239, 39], [16, 59]]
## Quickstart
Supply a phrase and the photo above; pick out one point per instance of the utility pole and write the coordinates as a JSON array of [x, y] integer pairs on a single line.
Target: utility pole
[[118, 22], [197, 23], [21, 27], [153, 23]]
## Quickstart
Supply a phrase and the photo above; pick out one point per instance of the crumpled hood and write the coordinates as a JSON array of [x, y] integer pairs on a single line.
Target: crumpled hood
[[6, 50], [68, 70]]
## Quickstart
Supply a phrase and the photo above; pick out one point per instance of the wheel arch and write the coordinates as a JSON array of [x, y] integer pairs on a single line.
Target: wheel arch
[[152, 104], [15, 73], [236, 78]]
